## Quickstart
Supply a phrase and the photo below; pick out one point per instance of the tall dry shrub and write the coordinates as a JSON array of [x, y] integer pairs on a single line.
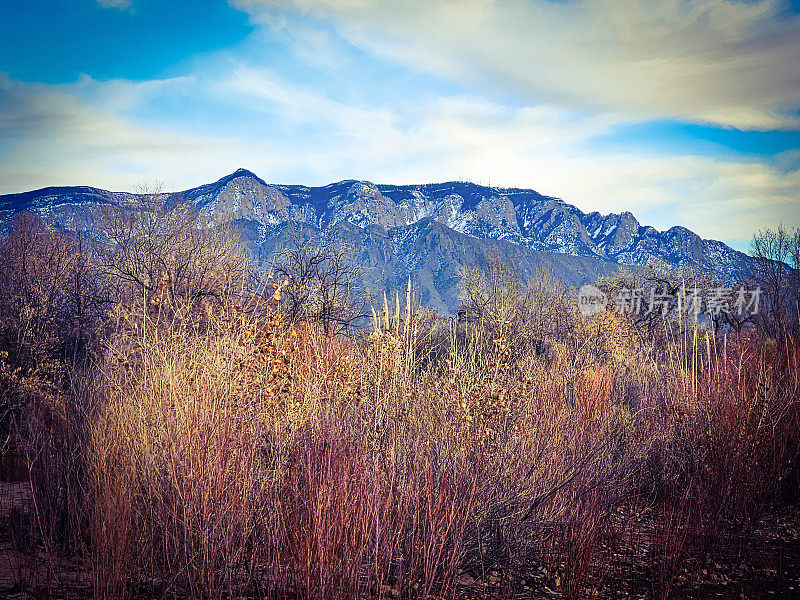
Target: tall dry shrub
[[50, 311], [182, 453]]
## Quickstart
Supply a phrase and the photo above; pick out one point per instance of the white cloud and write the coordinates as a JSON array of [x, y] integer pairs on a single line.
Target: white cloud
[[107, 134], [730, 63], [125, 5], [49, 135]]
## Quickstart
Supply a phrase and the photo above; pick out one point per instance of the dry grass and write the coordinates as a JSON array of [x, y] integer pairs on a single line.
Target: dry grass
[[220, 453]]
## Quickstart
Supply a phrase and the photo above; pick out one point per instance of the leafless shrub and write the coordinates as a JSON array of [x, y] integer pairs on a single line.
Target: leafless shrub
[[154, 243], [776, 253], [323, 284]]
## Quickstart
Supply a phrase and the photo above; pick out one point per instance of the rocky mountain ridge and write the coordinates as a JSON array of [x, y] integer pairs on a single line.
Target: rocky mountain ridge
[[519, 216], [427, 231]]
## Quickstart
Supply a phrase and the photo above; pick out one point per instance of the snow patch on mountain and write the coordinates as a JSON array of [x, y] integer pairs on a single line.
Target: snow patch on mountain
[[522, 217]]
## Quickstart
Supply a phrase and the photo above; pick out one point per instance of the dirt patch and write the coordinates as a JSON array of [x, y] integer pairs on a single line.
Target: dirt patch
[[764, 564]]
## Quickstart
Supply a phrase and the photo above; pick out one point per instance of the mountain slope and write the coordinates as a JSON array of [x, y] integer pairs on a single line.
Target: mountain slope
[[428, 231], [430, 253], [523, 217]]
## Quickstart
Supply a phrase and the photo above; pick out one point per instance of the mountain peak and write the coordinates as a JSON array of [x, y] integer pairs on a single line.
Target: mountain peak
[[241, 172], [237, 174]]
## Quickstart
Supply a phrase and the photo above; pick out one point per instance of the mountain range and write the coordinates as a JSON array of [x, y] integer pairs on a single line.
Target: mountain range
[[428, 232]]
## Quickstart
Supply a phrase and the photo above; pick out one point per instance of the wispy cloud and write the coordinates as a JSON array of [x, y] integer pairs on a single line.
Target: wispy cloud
[[53, 135], [730, 63], [76, 134], [124, 5]]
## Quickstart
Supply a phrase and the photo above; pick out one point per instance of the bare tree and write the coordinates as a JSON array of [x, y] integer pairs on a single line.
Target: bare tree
[[794, 280], [51, 296], [322, 283], [494, 294], [660, 295], [159, 245], [524, 314], [549, 308], [772, 249], [51, 309]]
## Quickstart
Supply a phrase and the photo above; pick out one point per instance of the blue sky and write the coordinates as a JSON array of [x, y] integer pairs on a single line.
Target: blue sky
[[681, 112]]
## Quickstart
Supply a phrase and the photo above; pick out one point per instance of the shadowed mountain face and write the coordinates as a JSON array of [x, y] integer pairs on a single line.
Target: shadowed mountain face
[[428, 232]]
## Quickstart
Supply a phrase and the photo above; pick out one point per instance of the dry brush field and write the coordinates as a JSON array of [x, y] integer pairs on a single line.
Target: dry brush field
[[211, 448]]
